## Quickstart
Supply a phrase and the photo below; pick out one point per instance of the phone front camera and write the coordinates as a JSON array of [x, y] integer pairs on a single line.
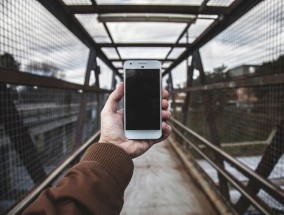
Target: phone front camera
[[142, 66], [130, 63]]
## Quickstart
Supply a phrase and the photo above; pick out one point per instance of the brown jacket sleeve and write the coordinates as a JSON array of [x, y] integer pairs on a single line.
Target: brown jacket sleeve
[[94, 186]]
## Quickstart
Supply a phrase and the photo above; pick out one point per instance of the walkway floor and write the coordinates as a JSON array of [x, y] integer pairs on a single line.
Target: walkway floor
[[161, 186]]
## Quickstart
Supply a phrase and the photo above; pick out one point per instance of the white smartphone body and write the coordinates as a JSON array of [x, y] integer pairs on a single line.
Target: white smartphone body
[[142, 99]]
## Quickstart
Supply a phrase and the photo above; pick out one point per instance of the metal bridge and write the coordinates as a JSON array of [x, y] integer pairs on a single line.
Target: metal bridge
[[223, 64]]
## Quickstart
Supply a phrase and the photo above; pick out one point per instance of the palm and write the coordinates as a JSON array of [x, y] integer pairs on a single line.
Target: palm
[[112, 126]]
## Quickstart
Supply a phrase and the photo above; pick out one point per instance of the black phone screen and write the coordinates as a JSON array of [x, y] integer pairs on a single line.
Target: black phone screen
[[142, 99]]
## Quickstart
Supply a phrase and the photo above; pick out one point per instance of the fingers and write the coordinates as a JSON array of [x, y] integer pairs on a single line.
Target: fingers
[[166, 130], [165, 94], [114, 98], [166, 115], [165, 104]]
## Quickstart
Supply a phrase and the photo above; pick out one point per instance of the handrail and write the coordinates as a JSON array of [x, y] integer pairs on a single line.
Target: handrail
[[270, 188], [230, 178], [247, 82], [24, 78], [52, 176]]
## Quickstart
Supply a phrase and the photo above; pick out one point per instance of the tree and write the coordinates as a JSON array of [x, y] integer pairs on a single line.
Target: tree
[[271, 67], [8, 61], [44, 69]]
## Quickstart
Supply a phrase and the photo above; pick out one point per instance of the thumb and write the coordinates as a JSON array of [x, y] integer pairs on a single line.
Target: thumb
[[114, 98]]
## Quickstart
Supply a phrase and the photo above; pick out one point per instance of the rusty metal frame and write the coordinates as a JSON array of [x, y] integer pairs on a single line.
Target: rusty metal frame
[[23, 78], [65, 16], [277, 78], [189, 81], [151, 45], [91, 65], [270, 158], [177, 9], [267, 186], [172, 95], [233, 13], [256, 201], [214, 133], [158, 59], [25, 202], [188, 94]]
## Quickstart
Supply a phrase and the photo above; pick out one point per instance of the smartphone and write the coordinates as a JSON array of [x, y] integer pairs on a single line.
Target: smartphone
[[142, 99]]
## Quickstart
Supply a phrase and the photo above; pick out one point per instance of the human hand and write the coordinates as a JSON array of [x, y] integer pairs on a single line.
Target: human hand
[[112, 125]]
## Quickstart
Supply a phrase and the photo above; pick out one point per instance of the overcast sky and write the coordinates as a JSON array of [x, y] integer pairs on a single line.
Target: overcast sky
[[30, 33]]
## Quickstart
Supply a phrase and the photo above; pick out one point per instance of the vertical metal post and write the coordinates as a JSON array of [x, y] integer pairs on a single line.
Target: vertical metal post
[[64, 142], [113, 81], [97, 71], [185, 107], [172, 94], [214, 133], [189, 78], [97, 84], [92, 63]]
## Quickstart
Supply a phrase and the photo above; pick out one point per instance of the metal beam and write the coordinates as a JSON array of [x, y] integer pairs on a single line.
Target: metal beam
[[266, 185], [255, 200], [270, 158], [64, 15], [235, 11], [23, 78], [177, 41], [125, 59], [175, 9], [122, 68], [27, 200], [176, 18], [248, 82], [209, 115], [111, 39], [185, 30], [91, 65], [151, 45]]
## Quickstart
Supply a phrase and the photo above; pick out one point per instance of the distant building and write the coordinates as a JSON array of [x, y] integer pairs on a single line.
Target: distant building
[[243, 70]]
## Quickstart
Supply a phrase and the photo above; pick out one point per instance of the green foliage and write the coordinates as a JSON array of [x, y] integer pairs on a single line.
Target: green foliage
[[44, 69], [8, 61], [271, 67], [219, 74]]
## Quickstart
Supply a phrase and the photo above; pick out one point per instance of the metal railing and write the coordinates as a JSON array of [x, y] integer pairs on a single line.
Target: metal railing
[[52, 177], [273, 190], [49, 120]]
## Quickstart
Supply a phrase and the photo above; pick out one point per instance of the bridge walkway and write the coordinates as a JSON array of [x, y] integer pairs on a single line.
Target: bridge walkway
[[161, 185]]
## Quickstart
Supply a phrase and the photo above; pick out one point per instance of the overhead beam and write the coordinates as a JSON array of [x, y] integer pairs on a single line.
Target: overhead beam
[[58, 9], [125, 59], [120, 68], [151, 45], [130, 17], [235, 11], [24, 78], [175, 9], [185, 30]]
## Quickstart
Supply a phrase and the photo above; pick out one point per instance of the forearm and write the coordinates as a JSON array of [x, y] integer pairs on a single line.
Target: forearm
[[94, 186]]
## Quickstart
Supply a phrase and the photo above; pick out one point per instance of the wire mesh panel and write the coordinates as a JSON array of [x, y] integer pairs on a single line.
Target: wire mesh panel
[[32, 40], [245, 119], [38, 131], [39, 127]]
